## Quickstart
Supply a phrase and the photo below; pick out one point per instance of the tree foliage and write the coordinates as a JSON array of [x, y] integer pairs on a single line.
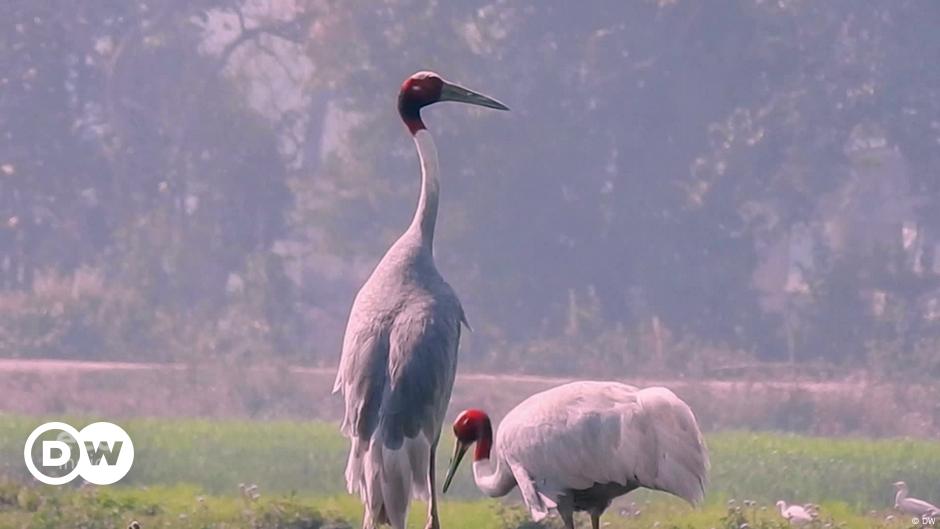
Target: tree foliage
[[232, 170]]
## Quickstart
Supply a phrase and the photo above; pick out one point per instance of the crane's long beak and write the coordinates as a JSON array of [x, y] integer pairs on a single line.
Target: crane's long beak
[[452, 92], [460, 448]]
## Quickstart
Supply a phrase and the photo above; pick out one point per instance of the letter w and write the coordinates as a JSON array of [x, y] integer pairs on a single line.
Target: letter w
[[104, 449]]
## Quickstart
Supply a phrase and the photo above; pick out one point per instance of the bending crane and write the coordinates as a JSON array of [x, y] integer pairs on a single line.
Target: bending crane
[[578, 446]]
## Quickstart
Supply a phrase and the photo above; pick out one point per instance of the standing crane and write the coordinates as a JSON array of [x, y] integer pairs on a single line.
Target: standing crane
[[400, 347], [578, 446]]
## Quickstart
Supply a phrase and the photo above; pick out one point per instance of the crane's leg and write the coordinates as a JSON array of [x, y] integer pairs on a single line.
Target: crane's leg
[[565, 510], [433, 520], [595, 520]]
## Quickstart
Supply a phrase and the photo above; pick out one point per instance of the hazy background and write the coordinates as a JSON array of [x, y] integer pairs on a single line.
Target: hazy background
[[682, 188]]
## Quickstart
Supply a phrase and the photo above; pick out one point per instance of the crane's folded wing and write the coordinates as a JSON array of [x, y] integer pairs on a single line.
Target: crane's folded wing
[[422, 364], [362, 376]]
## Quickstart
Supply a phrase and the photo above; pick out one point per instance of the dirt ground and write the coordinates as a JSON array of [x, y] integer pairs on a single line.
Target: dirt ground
[[115, 390]]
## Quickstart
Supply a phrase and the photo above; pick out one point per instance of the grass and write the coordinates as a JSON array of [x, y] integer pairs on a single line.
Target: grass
[[186, 507], [186, 474]]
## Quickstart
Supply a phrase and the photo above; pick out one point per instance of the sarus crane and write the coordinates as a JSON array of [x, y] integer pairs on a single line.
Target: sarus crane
[[578, 446], [400, 346]]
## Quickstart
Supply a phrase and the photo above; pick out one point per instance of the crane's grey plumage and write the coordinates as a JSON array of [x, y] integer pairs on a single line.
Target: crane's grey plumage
[[400, 346], [912, 506], [577, 446]]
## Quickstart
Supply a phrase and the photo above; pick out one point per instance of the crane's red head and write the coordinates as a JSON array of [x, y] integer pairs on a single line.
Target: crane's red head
[[471, 426], [426, 88]]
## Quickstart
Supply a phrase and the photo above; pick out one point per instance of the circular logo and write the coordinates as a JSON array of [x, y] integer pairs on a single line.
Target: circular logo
[[101, 453], [47, 453]]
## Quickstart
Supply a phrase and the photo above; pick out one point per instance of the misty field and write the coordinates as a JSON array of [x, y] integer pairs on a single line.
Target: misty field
[[187, 474]]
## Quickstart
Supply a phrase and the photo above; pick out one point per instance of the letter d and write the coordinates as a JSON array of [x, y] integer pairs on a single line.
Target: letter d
[[62, 456]]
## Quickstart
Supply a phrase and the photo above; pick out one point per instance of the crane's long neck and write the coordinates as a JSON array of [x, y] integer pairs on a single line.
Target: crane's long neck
[[900, 496], [491, 473], [426, 215]]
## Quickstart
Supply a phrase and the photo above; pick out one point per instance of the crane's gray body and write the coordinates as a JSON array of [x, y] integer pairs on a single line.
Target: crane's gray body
[[580, 445], [400, 348], [398, 366]]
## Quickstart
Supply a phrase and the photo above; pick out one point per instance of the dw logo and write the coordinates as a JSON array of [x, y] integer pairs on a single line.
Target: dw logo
[[101, 453]]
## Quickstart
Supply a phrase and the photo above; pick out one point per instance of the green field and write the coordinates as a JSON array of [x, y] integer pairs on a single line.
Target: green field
[[187, 472]]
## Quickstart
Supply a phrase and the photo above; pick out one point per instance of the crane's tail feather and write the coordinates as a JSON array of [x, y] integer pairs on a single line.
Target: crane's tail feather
[[547, 504], [682, 458], [539, 502], [386, 479]]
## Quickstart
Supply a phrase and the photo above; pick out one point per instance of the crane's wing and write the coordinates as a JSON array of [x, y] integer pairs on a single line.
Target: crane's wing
[[797, 513], [919, 506], [671, 436], [396, 374], [586, 433], [422, 363], [362, 373]]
